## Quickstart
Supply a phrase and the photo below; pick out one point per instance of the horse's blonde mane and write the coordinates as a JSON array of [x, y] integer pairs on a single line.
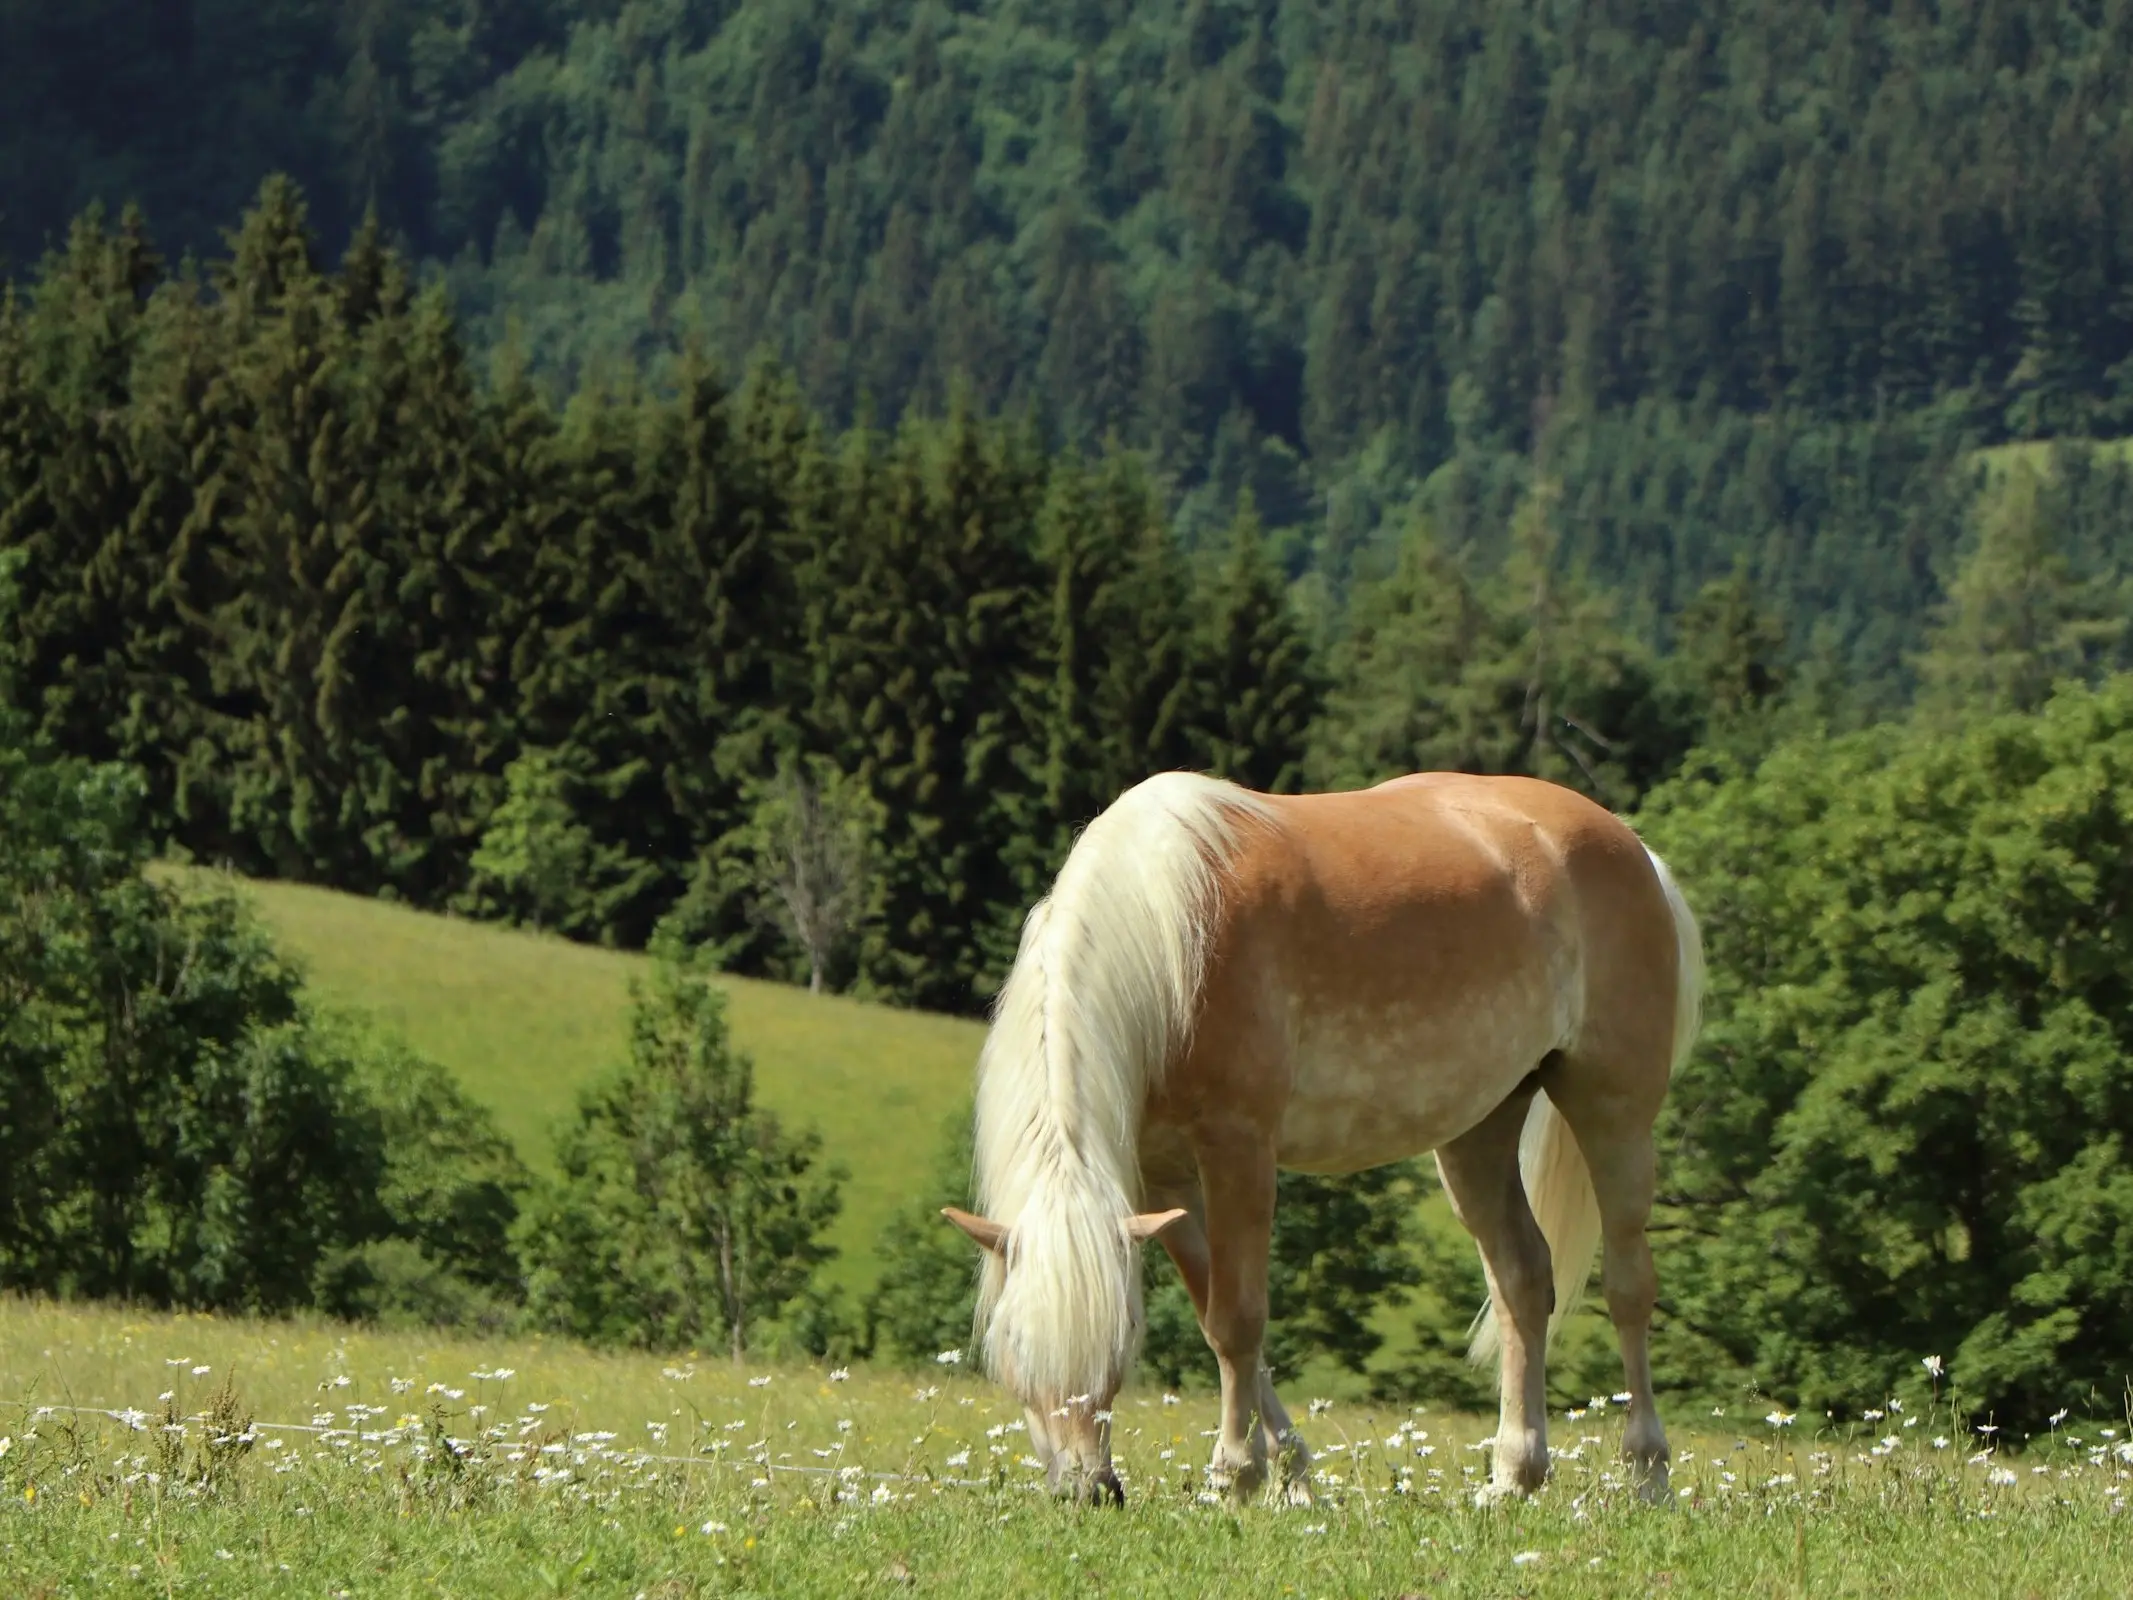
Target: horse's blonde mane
[[1102, 993]]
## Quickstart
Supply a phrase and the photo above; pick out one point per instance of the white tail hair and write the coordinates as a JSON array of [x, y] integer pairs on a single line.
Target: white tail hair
[[1102, 992], [1558, 1186]]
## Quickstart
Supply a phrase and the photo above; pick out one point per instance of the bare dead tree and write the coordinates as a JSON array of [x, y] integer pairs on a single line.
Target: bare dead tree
[[814, 830]]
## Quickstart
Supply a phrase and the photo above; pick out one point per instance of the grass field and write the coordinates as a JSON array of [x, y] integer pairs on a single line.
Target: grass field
[[525, 1020], [393, 1464]]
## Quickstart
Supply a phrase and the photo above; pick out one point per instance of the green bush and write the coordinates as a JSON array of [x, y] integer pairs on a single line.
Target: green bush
[[684, 1214], [1904, 1133], [449, 1186]]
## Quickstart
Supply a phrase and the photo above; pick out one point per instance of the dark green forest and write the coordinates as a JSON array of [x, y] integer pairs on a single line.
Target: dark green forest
[[1753, 279]]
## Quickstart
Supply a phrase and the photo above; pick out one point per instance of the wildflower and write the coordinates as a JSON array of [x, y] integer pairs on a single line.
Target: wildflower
[[201, 1372], [1525, 1558], [1933, 1366], [1170, 1399], [1780, 1419], [960, 1459], [1320, 1407], [1622, 1399], [841, 1375], [1940, 1441], [844, 1425], [950, 1358], [760, 1383], [713, 1527], [2057, 1417], [6, 1445], [2000, 1475], [1873, 1416]]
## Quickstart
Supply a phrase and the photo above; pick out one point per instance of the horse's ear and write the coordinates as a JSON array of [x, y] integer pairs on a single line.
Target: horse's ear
[[985, 1233], [1150, 1225]]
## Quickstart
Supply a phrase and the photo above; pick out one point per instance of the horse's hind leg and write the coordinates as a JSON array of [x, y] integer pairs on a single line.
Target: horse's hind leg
[[1614, 1131], [1481, 1178], [1187, 1245]]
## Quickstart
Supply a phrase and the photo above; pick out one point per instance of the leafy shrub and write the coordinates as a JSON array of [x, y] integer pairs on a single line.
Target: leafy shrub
[[449, 1186], [1905, 1130], [684, 1213]]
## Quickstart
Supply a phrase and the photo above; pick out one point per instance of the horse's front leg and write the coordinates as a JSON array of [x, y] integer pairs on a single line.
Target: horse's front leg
[[1237, 1179], [1187, 1245]]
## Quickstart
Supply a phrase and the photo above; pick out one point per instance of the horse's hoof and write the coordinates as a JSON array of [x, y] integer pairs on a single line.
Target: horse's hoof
[[1295, 1490], [1653, 1486], [1497, 1494]]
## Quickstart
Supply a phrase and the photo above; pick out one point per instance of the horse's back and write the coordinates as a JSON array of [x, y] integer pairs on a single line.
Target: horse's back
[[1426, 943], [1445, 846]]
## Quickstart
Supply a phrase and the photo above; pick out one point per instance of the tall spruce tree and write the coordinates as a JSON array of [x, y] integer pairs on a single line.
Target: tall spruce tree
[[2016, 619], [1116, 702], [1401, 699], [1257, 686], [923, 635]]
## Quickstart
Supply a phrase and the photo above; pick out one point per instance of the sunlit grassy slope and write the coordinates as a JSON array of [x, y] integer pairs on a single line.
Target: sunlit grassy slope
[[524, 1021]]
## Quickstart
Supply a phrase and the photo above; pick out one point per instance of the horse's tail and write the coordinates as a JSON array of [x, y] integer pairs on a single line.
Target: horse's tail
[[1558, 1185], [1103, 990]]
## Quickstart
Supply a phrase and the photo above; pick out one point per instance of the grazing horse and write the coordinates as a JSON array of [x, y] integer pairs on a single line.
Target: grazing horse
[[1223, 983]]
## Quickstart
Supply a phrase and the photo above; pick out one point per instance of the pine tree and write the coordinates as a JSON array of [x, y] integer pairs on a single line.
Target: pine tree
[[2016, 619], [71, 482], [1257, 688], [1116, 704], [1401, 699], [307, 606], [923, 633]]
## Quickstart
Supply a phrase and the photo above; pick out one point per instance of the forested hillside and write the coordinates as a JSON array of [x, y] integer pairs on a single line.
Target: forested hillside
[[1755, 277]]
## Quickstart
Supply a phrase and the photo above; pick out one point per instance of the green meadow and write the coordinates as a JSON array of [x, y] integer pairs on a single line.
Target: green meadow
[[524, 1020], [154, 1454]]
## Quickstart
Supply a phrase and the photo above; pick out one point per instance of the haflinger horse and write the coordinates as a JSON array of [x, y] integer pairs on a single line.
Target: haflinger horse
[[1222, 984]]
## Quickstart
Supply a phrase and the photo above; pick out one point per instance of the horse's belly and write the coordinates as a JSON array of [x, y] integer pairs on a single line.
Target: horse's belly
[[1367, 1089]]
